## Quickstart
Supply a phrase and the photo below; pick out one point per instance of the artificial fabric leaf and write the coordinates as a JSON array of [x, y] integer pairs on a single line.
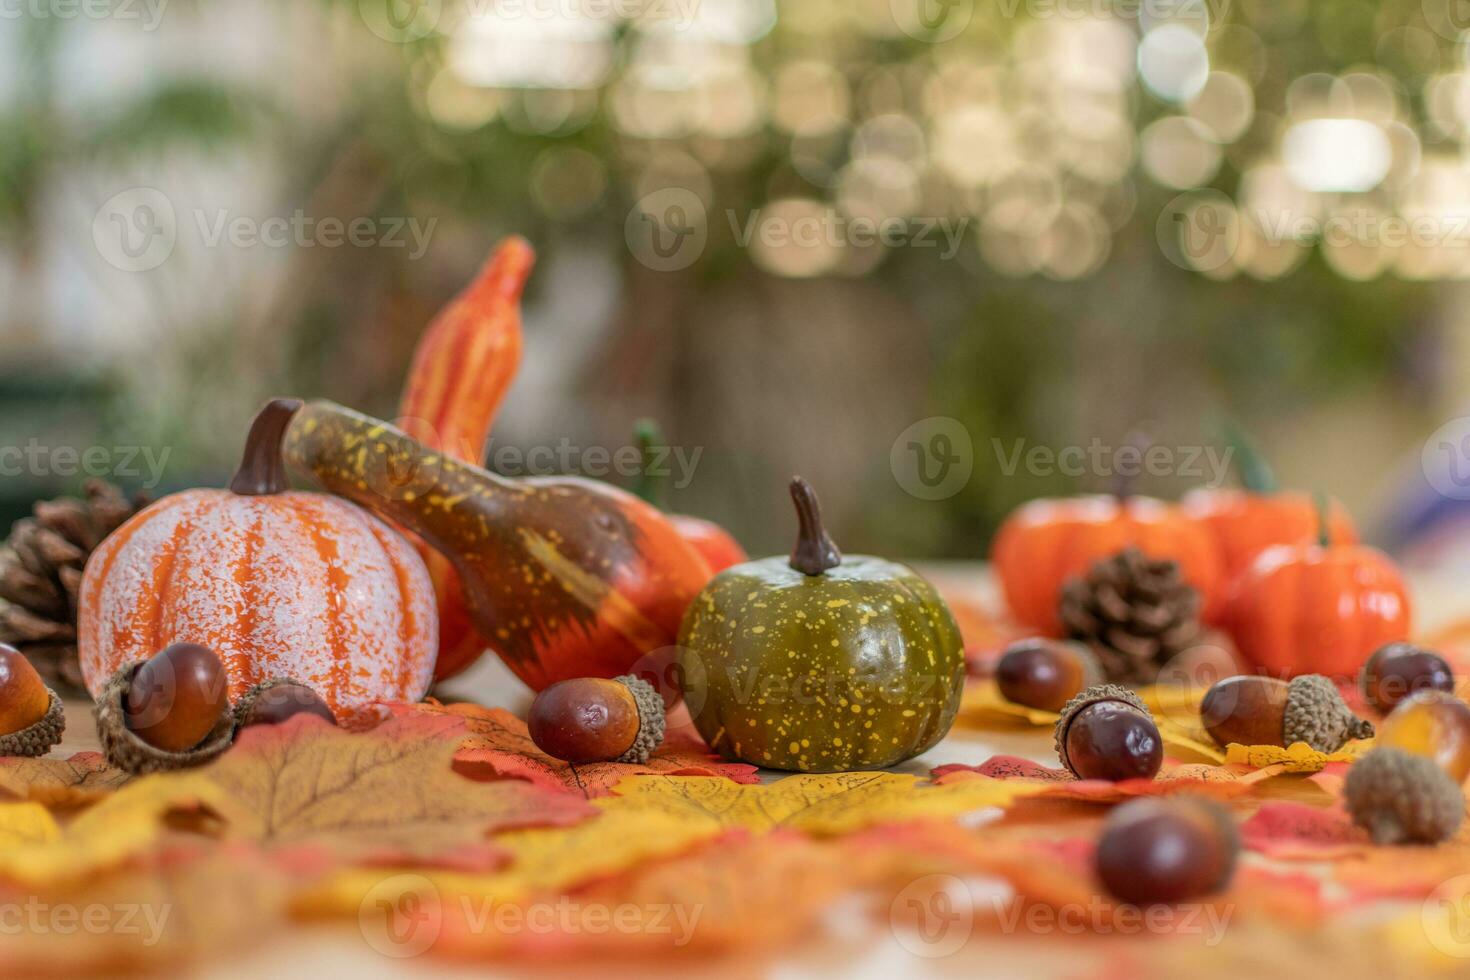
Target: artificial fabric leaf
[[1299, 757], [162, 910], [25, 824], [60, 783], [1295, 831], [389, 794], [983, 706], [736, 892], [820, 804], [537, 861], [1217, 782], [498, 745]]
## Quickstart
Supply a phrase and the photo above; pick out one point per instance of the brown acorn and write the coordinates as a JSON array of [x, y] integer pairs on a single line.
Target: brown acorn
[[1401, 798], [1256, 710], [278, 700], [1397, 670], [1045, 674], [1106, 732], [31, 715], [1164, 850], [169, 712], [593, 719]]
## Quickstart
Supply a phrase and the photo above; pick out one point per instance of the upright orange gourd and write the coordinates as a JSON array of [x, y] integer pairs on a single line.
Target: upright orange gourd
[[1247, 521], [278, 583], [1318, 608], [461, 370], [1044, 543]]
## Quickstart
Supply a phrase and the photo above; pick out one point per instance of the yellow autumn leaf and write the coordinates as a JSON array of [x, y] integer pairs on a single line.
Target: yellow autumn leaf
[[833, 803], [122, 825], [1299, 757], [541, 860], [983, 706], [25, 825]]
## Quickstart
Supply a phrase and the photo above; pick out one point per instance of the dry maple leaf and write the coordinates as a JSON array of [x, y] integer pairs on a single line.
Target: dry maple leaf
[[1200, 780], [500, 746], [169, 908], [60, 783], [389, 794], [834, 803]]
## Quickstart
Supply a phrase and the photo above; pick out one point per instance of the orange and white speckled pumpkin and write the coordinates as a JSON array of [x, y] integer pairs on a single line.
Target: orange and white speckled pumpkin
[[278, 583]]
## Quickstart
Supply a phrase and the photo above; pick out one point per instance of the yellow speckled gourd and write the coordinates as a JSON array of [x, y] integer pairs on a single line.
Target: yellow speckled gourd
[[821, 663]]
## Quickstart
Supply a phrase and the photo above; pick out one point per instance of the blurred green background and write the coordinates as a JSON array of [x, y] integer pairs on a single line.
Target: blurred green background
[[1071, 146]]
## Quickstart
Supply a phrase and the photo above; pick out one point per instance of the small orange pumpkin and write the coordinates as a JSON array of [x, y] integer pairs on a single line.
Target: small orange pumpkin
[[1044, 543], [278, 583], [1246, 523], [1317, 608]]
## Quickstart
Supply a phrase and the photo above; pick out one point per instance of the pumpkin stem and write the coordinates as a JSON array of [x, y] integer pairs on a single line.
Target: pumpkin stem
[[1323, 537], [262, 470], [814, 552], [1124, 485], [1255, 473], [646, 436]]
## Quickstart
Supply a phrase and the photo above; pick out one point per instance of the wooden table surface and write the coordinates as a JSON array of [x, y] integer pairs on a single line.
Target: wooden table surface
[[851, 945]]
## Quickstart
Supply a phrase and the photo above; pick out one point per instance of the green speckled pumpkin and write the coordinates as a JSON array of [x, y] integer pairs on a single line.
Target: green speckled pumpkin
[[820, 663]]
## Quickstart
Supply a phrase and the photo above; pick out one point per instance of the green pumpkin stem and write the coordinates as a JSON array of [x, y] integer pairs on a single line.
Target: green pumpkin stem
[[646, 436], [262, 470], [814, 552], [1255, 473], [1324, 538]]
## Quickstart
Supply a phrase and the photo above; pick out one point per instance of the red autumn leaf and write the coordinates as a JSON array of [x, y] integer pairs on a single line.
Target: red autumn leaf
[[1295, 831], [499, 747], [60, 783], [1219, 782]]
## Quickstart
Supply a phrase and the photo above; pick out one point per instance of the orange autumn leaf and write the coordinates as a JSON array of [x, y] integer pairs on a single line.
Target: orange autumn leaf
[[498, 745], [387, 794], [1218, 782], [60, 783], [735, 893], [1294, 831], [170, 909]]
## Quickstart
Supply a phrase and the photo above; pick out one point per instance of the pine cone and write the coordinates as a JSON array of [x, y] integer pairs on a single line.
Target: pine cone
[[1134, 611], [41, 572]]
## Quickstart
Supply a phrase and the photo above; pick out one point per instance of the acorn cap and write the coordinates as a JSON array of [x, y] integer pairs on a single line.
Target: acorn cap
[[1401, 798], [128, 752], [1315, 714], [247, 701], [650, 719], [40, 737], [1085, 699]]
